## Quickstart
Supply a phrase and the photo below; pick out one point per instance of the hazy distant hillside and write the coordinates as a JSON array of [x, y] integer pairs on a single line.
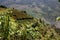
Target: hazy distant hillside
[[49, 9]]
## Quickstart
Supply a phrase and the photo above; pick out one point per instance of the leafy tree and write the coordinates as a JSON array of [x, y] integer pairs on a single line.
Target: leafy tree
[[2, 6], [59, 0]]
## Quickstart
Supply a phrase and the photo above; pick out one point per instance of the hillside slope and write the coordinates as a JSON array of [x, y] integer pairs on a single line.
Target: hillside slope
[[49, 9], [25, 29]]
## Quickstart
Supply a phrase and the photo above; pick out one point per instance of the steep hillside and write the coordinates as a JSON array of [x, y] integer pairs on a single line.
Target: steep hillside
[[25, 28], [49, 9]]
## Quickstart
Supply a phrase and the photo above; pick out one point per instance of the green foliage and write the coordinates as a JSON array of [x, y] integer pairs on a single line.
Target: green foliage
[[34, 29], [59, 0], [1, 6], [4, 21], [58, 18]]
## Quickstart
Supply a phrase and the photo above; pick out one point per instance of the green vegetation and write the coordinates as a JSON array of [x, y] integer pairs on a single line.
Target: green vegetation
[[1, 6], [29, 29], [58, 19], [59, 0], [58, 29]]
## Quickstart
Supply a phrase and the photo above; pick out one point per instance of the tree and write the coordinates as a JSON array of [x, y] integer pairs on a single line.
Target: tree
[[2, 6], [59, 0]]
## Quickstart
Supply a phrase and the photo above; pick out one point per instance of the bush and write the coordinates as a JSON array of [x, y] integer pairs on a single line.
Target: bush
[[33, 29], [1, 6]]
